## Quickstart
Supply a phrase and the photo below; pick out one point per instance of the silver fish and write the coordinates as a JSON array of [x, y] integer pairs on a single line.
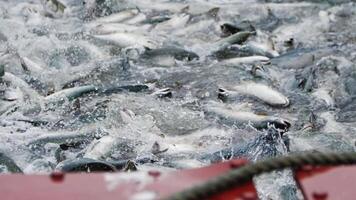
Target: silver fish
[[118, 17], [70, 93], [9, 163], [244, 60], [260, 91], [237, 38], [123, 40], [30, 66], [237, 117]]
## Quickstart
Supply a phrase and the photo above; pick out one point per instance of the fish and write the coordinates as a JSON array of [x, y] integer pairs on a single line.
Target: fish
[[53, 8], [239, 117], [175, 52], [237, 38], [260, 91], [59, 153], [138, 19], [306, 78], [55, 5], [300, 58], [346, 116], [245, 50], [64, 137], [322, 141], [244, 60], [70, 93], [156, 148], [314, 122], [260, 71], [118, 17], [156, 19], [73, 93], [290, 43], [228, 29], [93, 165], [114, 147], [212, 13], [270, 143], [85, 165], [110, 28], [22, 85], [30, 66], [102, 148], [9, 163], [177, 21], [12, 94], [123, 88], [161, 93], [130, 166], [325, 95], [269, 23], [124, 40], [259, 49], [197, 27], [231, 51]]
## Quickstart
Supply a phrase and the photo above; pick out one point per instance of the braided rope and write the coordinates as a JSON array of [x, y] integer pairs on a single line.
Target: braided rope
[[245, 173]]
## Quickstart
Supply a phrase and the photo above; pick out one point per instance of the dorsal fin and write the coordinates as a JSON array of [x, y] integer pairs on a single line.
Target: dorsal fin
[[213, 12], [269, 11], [23, 65], [270, 43], [185, 9], [130, 166]]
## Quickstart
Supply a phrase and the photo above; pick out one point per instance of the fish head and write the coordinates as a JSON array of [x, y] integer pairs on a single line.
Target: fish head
[[223, 94], [314, 122], [269, 144]]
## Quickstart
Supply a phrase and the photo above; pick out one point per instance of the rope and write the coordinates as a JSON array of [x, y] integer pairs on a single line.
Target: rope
[[245, 173]]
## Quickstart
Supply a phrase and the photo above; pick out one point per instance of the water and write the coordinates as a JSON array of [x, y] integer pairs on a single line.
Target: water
[[152, 76]]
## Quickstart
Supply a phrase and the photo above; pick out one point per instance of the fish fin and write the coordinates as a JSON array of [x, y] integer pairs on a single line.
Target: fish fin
[[130, 166], [270, 43], [156, 148], [185, 9], [23, 65], [213, 12], [270, 12], [51, 88], [61, 6], [281, 125], [147, 48], [254, 69]]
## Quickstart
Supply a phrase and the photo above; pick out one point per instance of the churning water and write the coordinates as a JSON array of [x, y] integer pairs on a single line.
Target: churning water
[[170, 83]]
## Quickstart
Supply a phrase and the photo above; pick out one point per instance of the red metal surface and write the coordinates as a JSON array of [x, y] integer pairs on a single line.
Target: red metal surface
[[327, 183], [151, 185], [316, 183]]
